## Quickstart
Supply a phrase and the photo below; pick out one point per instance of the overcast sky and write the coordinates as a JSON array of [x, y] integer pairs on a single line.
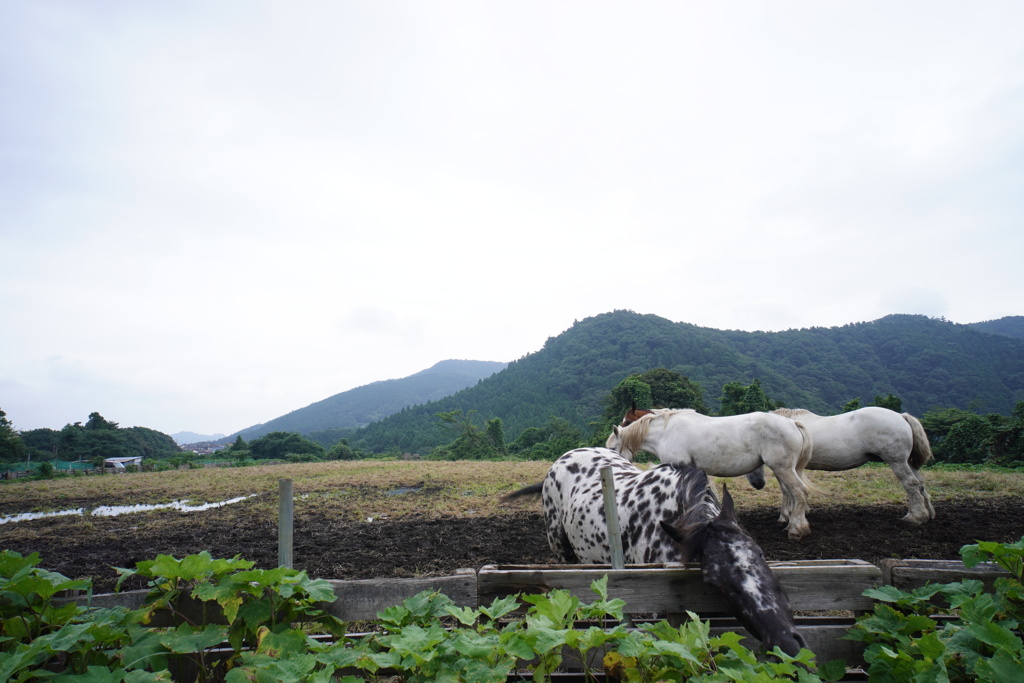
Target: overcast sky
[[214, 213]]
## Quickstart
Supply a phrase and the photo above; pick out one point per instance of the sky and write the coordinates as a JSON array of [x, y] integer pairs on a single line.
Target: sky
[[215, 213]]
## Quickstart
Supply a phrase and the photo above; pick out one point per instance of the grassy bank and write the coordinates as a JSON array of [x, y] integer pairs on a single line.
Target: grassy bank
[[367, 487]]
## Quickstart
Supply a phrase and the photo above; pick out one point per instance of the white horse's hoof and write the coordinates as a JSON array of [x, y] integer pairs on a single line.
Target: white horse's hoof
[[915, 519]]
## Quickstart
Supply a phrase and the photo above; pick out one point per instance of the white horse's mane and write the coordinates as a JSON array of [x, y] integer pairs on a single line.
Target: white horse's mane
[[633, 435]]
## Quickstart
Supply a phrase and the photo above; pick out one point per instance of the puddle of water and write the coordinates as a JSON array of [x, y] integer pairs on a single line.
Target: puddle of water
[[399, 492], [24, 516], [181, 505], [114, 510]]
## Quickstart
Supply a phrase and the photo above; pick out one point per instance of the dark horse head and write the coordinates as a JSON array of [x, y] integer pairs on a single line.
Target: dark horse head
[[733, 563]]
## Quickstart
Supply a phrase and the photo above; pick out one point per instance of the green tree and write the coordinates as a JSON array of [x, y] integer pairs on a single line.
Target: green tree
[[470, 444], [739, 400], [97, 421], [968, 441], [278, 445], [656, 388], [937, 422], [342, 451], [97, 439], [238, 450], [851, 405], [496, 433], [11, 447], [1008, 439], [556, 437], [891, 402]]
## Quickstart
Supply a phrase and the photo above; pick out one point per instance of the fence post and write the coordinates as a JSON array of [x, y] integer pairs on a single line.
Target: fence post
[[612, 515], [284, 524]]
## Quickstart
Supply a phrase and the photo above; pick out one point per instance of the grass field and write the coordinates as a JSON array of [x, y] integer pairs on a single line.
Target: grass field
[[366, 487]]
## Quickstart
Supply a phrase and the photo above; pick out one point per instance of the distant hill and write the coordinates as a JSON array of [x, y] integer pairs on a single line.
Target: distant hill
[[363, 405], [1011, 326], [927, 362], [191, 437]]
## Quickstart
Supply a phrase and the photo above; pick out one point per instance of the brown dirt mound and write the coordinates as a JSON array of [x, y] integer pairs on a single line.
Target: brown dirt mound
[[332, 548]]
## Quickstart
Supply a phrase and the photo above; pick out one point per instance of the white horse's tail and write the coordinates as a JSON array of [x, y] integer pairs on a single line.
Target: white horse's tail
[[805, 455], [921, 451]]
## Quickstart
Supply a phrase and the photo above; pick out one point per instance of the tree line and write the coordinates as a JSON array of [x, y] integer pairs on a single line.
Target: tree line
[[957, 435]]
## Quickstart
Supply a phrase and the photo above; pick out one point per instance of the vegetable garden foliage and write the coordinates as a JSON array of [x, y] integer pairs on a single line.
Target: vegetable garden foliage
[[944, 632], [949, 632], [271, 616], [929, 363]]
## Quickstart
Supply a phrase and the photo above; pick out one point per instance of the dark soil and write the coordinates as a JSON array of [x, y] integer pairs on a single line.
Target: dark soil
[[333, 548]]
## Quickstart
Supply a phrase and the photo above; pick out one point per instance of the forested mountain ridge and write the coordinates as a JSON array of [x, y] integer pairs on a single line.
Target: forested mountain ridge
[[927, 362], [1011, 326], [363, 405]]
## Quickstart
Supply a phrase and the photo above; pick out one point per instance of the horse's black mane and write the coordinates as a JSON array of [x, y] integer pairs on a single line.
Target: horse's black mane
[[700, 518]]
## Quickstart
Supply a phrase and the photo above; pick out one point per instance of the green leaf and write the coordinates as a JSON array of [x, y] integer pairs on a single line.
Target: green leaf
[[144, 649], [833, 670], [93, 674], [931, 646], [67, 637], [473, 645], [501, 607], [600, 586], [465, 615], [543, 639], [996, 635], [187, 638], [1000, 667], [516, 643]]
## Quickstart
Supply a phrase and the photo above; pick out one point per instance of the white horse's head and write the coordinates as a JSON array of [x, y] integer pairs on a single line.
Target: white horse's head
[[614, 442], [628, 441]]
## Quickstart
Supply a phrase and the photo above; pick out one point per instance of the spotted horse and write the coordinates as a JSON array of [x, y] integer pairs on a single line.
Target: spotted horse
[[668, 513]]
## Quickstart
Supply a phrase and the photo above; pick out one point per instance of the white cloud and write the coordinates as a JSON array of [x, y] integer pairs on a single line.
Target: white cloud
[[225, 212]]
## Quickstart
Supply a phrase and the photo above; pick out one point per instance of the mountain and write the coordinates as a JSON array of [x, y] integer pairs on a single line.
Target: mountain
[[927, 362], [191, 437], [1011, 326], [363, 405]]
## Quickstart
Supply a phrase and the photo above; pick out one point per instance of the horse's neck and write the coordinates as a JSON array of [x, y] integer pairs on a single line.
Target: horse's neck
[[666, 435]]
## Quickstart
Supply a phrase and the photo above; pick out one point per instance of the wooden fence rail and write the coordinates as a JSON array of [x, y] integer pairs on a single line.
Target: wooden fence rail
[[831, 590]]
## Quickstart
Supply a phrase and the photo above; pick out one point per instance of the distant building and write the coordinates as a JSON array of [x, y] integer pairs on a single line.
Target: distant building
[[121, 464]]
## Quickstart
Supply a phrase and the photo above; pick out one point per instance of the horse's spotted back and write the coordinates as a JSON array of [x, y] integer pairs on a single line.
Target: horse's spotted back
[[574, 506], [666, 514]]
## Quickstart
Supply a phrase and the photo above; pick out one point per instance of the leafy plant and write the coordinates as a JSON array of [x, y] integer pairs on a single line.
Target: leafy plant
[[197, 604], [249, 608], [40, 635], [956, 631]]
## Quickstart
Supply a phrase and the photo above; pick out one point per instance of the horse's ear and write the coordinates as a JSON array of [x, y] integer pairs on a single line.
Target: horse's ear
[[632, 407], [728, 506], [615, 429], [672, 532]]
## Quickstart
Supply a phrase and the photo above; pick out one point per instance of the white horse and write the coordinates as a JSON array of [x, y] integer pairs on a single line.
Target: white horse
[[848, 440], [728, 447]]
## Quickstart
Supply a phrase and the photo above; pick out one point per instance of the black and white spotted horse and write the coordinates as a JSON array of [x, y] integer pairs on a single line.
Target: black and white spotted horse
[[668, 513]]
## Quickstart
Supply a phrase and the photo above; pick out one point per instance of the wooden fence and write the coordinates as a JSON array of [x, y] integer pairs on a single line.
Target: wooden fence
[[827, 595]]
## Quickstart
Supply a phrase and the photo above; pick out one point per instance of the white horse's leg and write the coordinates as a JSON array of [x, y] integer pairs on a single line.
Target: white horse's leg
[[794, 501], [924, 491], [920, 502], [800, 447], [786, 509]]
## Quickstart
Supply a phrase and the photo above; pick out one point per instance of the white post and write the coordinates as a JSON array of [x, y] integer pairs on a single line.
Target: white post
[[284, 524], [612, 515]]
